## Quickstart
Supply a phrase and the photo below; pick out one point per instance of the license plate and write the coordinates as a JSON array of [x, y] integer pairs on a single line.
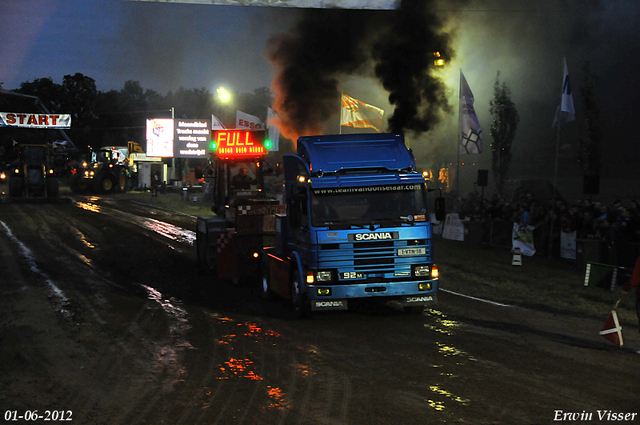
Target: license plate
[[411, 251], [351, 275]]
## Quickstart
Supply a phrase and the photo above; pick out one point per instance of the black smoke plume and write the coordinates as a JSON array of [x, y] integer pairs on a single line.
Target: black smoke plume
[[397, 46], [403, 63]]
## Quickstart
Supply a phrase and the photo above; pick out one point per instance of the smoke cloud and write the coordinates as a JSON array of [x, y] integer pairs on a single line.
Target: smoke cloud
[[396, 46]]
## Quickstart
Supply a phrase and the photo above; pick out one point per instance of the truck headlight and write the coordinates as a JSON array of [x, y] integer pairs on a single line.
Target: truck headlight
[[323, 275], [422, 270]]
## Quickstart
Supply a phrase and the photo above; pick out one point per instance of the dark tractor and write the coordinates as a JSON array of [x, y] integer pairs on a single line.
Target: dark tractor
[[105, 173], [32, 174]]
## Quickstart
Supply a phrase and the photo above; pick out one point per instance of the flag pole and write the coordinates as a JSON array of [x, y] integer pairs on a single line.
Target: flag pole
[[340, 115], [458, 136], [555, 184]]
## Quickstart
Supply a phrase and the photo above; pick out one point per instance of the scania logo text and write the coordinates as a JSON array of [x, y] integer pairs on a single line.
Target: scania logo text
[[329, 304], [373, 236], [419, 299]]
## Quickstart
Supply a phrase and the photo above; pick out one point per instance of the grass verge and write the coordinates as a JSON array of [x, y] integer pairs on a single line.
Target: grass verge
[[540, 283]]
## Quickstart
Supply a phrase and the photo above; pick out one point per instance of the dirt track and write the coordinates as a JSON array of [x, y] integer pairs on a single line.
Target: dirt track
[[105, 314]]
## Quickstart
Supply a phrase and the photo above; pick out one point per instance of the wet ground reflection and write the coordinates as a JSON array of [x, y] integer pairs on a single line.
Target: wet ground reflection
[[165, 229], [235, 336], [441, 323], [168, 356], [441, 397]]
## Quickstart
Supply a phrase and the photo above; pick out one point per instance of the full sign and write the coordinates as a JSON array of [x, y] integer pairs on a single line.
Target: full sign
[[238, 144]]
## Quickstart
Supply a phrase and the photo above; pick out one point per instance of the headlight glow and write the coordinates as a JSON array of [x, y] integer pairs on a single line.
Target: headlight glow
[[323, 275]]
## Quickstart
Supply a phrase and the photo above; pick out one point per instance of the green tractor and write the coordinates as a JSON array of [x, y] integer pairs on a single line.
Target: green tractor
[[106, 172], [32, 174]]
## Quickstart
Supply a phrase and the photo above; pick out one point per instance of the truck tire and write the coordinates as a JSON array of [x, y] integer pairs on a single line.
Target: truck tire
[[53, 188], [105, 183], [299, 307]]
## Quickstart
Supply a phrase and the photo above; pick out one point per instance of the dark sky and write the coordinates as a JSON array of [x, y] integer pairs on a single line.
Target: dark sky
[[165, 46]]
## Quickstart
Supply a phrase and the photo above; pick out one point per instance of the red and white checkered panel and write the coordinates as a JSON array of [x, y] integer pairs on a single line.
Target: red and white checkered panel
[[223, 240]]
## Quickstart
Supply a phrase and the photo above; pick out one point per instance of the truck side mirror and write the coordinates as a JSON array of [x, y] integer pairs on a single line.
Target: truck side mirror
[[441, 212]]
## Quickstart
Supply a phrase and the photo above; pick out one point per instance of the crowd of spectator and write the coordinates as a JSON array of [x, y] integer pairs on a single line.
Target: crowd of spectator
[[615, 223]]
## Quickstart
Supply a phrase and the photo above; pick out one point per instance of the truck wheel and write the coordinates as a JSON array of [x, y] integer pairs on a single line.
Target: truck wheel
[[299, 307]]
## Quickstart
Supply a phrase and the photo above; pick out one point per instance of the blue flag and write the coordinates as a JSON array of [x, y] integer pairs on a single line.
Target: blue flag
[[565, 112], [470, 135]]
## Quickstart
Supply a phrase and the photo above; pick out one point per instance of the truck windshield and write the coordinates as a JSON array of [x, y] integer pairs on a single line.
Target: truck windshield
[[365, 205]]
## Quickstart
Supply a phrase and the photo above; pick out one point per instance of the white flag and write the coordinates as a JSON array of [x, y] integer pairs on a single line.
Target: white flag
[[565, 111], [357, 114], [470, 136], [273, 124], [244, 120], [216, 124]]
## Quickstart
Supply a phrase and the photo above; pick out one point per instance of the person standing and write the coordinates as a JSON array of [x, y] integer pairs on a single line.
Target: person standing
[[241, 181], [634, 283], [155, 181]]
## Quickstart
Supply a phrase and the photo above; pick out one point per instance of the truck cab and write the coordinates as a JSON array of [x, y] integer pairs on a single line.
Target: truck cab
[[357, 226]]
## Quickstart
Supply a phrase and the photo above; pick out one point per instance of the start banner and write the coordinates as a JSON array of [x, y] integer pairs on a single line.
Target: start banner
[[22, 119]]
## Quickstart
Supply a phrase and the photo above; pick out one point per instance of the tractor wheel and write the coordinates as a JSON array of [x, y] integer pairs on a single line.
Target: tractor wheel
[[105, 183], [78, 184], [122, 182]]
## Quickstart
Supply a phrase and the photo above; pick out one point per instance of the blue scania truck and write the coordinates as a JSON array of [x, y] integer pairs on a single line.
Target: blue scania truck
[[357, 226]]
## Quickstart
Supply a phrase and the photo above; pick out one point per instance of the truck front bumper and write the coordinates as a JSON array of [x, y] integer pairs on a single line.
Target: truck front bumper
[[336, 297]]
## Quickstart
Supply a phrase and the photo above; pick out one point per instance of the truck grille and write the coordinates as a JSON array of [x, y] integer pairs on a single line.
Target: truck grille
[[378, 257]]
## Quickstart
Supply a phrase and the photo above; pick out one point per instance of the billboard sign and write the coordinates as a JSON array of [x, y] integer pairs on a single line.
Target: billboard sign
[[192, 138], [160, 137]]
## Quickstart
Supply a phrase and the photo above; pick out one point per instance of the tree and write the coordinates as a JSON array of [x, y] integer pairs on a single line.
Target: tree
[[256, 103], [79, 95], [49, 93], [503, 131], [589, 145]]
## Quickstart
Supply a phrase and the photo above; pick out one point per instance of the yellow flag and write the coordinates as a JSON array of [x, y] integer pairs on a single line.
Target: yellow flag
[[357, 114]]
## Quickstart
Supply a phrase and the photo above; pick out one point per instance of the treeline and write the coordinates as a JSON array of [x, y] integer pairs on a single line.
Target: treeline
[[117, 116]]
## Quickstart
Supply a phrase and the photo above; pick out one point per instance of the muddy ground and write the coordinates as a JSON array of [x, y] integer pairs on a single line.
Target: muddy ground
[[105, 318]]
